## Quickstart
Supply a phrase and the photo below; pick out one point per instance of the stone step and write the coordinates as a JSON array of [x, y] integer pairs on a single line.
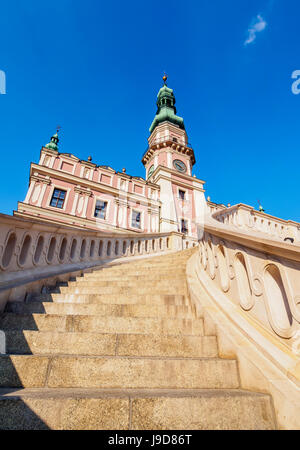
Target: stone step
[[156, 409], [125, 283], [99, 324], [175, 265], [117, 372], [132, 278], [156, 299], [172, 346], [138, 271], [124, 290], [104, 344], [132, 274], [148, 263], [131, 310], [158, 260]]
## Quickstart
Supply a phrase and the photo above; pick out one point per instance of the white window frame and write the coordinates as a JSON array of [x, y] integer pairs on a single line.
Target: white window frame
[[62, 188], [141, 228], [186, 193], [107, 209]]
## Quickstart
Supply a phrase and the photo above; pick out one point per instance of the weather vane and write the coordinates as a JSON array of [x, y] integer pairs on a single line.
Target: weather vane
[[165, 77], [58, 128], [260, 206]]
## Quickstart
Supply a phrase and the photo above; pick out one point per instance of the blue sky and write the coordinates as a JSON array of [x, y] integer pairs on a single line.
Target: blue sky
[[95, 68]]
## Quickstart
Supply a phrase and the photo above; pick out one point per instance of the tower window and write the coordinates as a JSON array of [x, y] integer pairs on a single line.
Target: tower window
[[174, 139], [181, 194], [184, 226], [100, 209], [136, 219], [58, 198]]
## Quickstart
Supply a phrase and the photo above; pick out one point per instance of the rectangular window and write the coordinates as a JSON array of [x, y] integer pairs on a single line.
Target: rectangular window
[[100, 209], [58, 198], [136, 219], [181, 195], [184, 226]]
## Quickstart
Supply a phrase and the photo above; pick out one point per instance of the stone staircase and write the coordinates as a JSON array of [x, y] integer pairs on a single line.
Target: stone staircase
[[121, 348]]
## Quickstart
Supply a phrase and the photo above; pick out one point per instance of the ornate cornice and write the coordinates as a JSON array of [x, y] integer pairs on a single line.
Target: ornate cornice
[[40, 179], [168, 143]]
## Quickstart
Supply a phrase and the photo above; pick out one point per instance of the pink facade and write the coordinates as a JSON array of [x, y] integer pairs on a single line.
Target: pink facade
[[64, 189], [82, 184]]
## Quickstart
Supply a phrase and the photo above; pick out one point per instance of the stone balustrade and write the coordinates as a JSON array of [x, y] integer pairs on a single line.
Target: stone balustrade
[[214, 207], [33, 253], [248, 285], [244, 216]]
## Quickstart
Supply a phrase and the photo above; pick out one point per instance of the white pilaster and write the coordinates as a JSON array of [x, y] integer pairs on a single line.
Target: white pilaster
[[29, 192], [169, 160], [41, 196], [86, 200], [75, 204], [115, 213]]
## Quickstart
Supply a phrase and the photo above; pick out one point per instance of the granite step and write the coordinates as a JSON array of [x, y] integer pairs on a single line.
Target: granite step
[[147, 299], [126, 310], [105, 344], [125, 283], [101, 324], [138, 271], [117, 372], [144, 276], [155, 409], [132, 290]]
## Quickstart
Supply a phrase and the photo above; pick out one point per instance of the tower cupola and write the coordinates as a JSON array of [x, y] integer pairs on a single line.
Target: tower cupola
[[52, 145], [166, 110]]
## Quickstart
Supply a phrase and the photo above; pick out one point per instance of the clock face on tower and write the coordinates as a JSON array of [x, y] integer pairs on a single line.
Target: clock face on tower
[[151, 170], [179, 165]]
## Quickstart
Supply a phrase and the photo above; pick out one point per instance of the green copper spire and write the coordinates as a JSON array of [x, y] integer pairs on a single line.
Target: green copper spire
[[52, 145], [166, 108]]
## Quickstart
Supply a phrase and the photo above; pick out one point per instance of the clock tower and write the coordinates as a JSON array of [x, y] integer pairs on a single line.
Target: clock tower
[[168, 161]]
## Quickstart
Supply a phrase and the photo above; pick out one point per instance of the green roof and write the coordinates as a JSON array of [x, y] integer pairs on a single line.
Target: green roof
[[53, 143], [166, 110]]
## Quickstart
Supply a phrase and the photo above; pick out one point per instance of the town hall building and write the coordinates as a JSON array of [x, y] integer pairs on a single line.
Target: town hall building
[[65, 189]]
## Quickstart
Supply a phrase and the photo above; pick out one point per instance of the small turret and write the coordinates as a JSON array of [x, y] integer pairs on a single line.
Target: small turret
[[52, 145]]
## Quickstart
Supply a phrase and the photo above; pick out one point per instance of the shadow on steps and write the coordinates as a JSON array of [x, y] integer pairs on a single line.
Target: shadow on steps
[[15, 414]]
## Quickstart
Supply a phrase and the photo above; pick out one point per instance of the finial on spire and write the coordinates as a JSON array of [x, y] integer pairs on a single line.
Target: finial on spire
[[165, 77], [58, 128], [260, 207]]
